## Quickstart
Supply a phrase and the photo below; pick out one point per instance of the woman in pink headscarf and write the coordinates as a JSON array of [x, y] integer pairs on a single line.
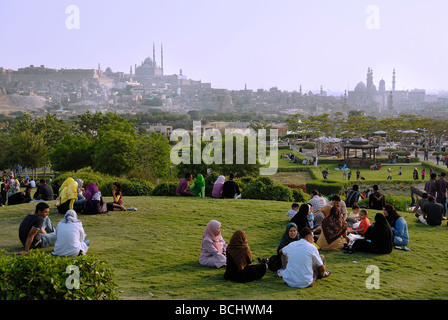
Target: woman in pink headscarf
[[213, 250]]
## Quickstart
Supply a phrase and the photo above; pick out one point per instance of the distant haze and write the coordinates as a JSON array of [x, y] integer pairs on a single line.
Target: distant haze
[[231, 43]]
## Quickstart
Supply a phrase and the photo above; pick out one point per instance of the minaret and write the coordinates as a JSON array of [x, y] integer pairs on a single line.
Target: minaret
[[393, 81], [161, 57], [154, 54], [130, 70]]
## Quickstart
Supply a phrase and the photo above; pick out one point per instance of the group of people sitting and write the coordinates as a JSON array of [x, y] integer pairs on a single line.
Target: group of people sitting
[[313, 226], [221, 189], [72, 196], [37, 231], [68, 238], [11, 194]]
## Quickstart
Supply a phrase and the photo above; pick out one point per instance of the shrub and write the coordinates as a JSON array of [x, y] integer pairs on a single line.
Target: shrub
[[210, 182], [300, 196], [327, 187], [264, 188], [165, 189], [132, 187], [42, 276]]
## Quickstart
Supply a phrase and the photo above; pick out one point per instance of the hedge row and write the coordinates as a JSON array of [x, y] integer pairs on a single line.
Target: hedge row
[[41, 276], [262, 188], [131, 187]]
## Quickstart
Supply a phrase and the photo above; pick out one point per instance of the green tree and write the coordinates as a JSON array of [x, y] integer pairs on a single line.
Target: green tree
[[72, 153], [30, 149], [153, 157], [114, 149]]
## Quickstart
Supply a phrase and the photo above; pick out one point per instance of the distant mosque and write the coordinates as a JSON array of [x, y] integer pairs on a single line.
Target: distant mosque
[[149, 67]]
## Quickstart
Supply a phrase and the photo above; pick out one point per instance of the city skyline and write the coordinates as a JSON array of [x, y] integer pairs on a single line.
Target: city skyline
[[263, 45]]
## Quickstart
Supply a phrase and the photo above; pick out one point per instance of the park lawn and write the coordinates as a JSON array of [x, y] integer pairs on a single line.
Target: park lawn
[[375, 174], [154, 252]]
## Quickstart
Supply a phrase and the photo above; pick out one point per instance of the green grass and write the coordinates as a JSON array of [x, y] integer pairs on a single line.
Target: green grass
[[156, 249], [376, 174]]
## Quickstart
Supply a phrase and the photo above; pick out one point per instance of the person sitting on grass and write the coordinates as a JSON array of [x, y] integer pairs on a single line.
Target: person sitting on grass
[[301, 218], [364, 223], [304, 264], [291, 213], [71, 239], [334, 231], [230, 190], [213, 249], [198, 186], [399, 226], [36, 229], [217, 187], [117, 204], [67, 196], [379, 238], [182, 188], [353, 216], [239, 259], [290, 235], [432, 213], [94, 200]]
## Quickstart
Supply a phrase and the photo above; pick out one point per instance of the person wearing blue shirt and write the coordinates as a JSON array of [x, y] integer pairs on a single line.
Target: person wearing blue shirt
[[399, 226]]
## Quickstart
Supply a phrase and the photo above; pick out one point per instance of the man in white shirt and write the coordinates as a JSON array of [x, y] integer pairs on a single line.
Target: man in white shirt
[[317, 201], [305, 265]]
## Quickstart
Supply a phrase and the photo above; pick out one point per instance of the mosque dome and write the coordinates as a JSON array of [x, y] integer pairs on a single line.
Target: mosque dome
[[361, 87], [148, 62]]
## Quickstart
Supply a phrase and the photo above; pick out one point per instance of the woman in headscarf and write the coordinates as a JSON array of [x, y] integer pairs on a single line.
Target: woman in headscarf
[[399, 226], [94, 200], [70, 237], [67, 195], [81, 200], [239, 259], [217, 187], [378, 238], [198, 186], [213, 248], [334, 231], [13, 194], [290, 235], [300, 218]]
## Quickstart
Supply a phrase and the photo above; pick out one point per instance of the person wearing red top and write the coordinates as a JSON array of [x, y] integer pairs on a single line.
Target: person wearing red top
[[364, 223]]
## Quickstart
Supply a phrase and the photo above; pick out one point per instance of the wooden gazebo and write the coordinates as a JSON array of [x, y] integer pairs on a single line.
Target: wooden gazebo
[[364, 153]]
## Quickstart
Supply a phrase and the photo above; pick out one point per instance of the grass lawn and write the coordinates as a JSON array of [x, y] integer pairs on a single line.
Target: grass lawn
[[376, 174], [156, 250]]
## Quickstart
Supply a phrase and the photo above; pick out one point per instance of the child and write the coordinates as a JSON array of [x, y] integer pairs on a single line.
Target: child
[[353, 216], [389, 176], [363, 224], [118, 198], [310, 217], [400, 171], [294, 208]]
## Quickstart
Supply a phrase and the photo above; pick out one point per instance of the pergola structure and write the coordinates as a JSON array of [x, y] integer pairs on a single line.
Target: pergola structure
[[364, 153]]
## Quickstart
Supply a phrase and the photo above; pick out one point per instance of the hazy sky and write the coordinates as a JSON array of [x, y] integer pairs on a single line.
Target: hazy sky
[[263, 43]]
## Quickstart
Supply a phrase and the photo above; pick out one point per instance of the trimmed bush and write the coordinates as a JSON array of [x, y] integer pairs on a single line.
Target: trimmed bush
[[300, 196], [327, 187], [165, 189], [132, 187], [264, 188], [41, 276]]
